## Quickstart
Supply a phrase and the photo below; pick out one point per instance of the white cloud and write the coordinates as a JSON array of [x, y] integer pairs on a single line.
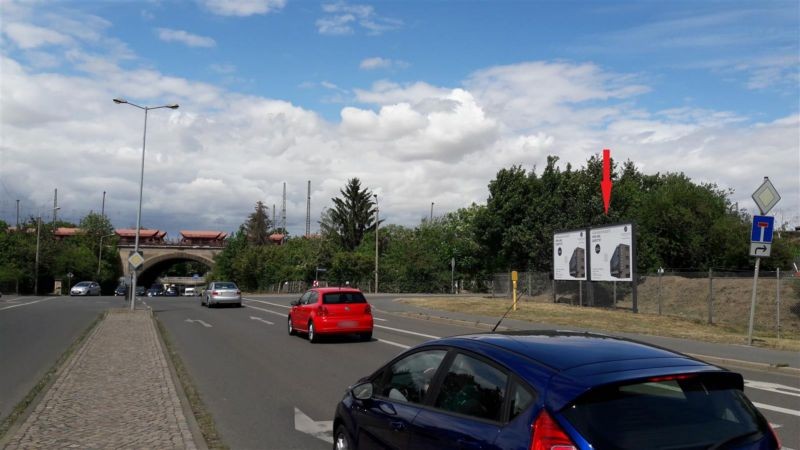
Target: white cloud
[[382, 63], [242, 8], [415, 143], [343, 18], [28, 36], [192, 40]]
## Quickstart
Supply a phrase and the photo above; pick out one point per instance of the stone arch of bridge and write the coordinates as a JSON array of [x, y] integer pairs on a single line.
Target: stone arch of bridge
[[147, 274]]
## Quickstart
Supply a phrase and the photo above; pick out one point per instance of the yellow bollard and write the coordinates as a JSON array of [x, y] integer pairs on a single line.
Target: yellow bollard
[[514, 277]]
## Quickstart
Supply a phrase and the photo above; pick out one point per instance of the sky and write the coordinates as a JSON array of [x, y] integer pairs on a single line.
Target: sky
[[423, 101]]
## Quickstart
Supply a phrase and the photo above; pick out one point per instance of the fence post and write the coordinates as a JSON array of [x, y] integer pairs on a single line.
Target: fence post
[[710, 296], [660, 274], [778, 301]]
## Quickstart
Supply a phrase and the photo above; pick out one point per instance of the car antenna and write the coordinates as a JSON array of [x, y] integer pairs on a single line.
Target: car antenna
[[519, 296]]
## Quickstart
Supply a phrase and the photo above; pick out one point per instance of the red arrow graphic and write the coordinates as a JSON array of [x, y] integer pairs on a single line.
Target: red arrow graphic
[[605, 185]]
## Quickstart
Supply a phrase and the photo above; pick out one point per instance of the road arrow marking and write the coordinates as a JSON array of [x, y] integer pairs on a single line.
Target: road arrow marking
[[262, 320], [773, 387], [207, 325], [322, 429]]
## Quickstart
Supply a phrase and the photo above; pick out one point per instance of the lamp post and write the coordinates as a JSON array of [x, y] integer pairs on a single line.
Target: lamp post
[[141, 185], [100, 254], [377, 223], [431, 220]]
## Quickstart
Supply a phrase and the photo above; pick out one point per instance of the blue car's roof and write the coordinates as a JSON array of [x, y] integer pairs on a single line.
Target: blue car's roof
[[567, 363]]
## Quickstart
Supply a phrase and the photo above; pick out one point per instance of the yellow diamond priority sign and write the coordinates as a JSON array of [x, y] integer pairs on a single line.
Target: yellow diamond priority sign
[[136, 259]]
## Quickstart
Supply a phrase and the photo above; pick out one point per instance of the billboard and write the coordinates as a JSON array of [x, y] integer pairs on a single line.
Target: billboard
[[569, 255], [611, 253]]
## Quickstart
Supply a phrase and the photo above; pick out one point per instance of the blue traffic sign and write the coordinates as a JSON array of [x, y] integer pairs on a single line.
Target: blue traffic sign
[[762, 229]]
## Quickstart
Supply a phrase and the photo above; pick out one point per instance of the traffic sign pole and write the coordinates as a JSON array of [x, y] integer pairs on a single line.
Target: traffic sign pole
[[753, 304]]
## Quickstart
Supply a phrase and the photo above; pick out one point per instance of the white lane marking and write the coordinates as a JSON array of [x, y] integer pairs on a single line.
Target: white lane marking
[[262, 320], [268, 303], [788, 411], [207, 325], [378, 319], [394, 343], [407, 332], [266, 311], [773, 387], [26, 304], [320, 429]]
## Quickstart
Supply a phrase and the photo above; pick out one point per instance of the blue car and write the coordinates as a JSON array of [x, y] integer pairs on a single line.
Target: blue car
[[548, 390]]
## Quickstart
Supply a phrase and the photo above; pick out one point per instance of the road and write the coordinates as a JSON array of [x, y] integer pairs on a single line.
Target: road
[[264, 388], [34, 332]]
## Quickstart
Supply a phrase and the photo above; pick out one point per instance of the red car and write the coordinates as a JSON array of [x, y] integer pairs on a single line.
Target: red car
[[329, 311]]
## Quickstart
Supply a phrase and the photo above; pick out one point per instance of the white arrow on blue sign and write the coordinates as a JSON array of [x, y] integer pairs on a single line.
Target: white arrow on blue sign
[[762, 229]]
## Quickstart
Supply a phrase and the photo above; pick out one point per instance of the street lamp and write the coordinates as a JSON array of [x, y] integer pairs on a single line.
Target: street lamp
[[377, 223], [120, 101], [100, 253]]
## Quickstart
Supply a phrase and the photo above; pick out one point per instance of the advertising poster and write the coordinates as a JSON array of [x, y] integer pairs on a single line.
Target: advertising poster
[[569, 255], [611, 253]]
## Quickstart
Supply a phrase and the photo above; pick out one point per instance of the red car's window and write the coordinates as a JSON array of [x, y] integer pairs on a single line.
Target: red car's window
[[341, 298]]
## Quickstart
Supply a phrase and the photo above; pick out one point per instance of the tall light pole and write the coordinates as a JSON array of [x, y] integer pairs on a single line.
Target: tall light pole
[[141, 185], [431, 221], [377, 223], [38, 236], [100, 253]]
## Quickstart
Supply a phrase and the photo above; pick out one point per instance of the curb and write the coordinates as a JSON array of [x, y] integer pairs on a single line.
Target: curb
[[194, 428]]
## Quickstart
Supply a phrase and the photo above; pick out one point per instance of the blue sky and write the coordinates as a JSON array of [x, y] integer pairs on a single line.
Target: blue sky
[[424, 101]]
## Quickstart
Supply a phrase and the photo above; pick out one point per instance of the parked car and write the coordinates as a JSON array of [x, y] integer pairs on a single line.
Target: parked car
[[122, 290], [222, 292], [85, 288], [189, 292], [171, 291], [156, 290], [547, 390], [330, 311], [140, 291]]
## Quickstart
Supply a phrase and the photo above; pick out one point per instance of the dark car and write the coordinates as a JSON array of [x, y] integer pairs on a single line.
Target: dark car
[[122, 290], [548, 390], [140, 291], [155, 290], [171, 291]]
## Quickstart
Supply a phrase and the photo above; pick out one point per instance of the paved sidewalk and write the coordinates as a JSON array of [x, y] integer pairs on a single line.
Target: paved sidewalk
[[115, 392]]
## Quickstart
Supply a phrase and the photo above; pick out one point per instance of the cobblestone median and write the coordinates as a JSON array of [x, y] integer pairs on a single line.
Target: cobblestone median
[[116, 392]]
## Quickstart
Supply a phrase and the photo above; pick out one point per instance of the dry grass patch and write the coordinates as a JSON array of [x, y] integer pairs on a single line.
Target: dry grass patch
[[599, 319]]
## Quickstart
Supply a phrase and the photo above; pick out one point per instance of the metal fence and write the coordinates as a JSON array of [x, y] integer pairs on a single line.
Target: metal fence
[[718, 297]]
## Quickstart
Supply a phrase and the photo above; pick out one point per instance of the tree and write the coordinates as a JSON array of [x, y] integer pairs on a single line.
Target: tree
[[258, 225], [351, 217]]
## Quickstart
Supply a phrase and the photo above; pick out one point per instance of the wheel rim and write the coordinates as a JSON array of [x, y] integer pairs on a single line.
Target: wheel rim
[[290, 325], [341, 442], [311, 332]]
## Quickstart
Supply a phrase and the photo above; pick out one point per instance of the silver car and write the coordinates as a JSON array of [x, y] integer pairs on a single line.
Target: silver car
[[85, 288], [221, 292]]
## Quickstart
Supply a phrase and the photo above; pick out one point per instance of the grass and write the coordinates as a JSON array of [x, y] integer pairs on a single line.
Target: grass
[[46, 379], [606, 320], [201, 414]]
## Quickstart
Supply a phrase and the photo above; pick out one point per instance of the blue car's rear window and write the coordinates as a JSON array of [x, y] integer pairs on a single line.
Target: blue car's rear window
[[694, 411]]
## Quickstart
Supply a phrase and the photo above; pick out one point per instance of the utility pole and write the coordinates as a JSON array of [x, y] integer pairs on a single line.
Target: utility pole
[[431, 220], [103, 207], [17, 214], [36, 271], [377, 223], [308, 210], [283, 213], [55, 207]]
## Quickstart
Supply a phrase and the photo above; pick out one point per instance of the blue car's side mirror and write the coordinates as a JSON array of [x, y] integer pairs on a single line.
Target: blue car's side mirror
[[362, 391]]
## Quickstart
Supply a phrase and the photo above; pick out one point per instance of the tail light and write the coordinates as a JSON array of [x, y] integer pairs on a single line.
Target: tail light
[[367, 309], [322, 311], [238, 292], [214, 293], [548, 435], [775, 436]]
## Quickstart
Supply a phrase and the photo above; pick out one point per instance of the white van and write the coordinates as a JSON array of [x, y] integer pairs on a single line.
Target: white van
[[189, 292]]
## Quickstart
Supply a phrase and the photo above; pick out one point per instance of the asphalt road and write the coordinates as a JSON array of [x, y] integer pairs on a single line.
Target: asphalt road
[[34, 332], [255, 378], [264, 388]]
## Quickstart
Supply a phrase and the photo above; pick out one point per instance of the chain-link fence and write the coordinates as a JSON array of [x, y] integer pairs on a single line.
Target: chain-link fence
[[719, 297]]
